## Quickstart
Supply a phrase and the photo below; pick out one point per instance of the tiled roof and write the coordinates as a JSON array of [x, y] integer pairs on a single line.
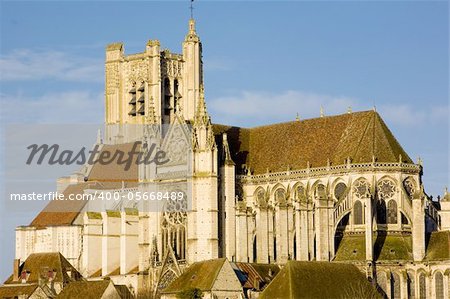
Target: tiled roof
[[64, 212], [358, 136], [102, 176], [386, 248], [319, 280], [255, 276], [123, 291], [15, 291], [61, 212], [115, 172], [38, 265], [438, 248], [85, 289], [200, 275]]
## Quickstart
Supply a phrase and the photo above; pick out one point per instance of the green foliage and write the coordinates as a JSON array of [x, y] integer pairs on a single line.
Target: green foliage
[[191, 293]]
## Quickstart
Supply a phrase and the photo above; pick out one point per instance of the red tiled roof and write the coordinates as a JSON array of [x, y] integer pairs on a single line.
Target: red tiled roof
[[358, 136]]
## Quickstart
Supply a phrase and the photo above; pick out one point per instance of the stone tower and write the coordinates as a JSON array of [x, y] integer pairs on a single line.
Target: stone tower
[[149, 87]]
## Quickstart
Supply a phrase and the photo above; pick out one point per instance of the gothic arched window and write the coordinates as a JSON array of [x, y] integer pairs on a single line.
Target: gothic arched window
[[260, 197], [320, 191], [395, 286], [410, 285], [174, 226], [357, 213], [300, 193], [439, 285], [422, 286], [339, 190], [280, 196], [392, 212], [167, 96], [381, 211], [382, 282]]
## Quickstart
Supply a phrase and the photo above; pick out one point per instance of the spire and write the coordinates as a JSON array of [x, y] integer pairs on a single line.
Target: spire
[[192, 34], [191, 8], [192, 26], [226, 150], [202, 116]]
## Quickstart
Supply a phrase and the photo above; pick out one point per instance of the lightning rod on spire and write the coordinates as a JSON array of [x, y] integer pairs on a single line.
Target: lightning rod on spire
[[191, 7]]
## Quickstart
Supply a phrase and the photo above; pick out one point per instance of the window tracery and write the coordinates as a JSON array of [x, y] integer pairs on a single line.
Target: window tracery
[[361, 188], [300, 193], [339, 190], [386, 189], [410, 187]]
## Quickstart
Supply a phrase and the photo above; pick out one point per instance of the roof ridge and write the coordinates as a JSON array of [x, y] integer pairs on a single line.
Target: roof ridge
[[392, 140], [293, 121], [309, 119], [291, 290], [371, 121]]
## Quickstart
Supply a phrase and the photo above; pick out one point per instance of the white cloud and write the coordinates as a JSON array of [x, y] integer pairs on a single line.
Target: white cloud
[[27, 65], [55, 107], [409, 116], [217, 64], [249, 108]]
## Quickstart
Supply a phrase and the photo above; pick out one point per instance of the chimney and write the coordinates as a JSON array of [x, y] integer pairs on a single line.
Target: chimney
[[16, 269]]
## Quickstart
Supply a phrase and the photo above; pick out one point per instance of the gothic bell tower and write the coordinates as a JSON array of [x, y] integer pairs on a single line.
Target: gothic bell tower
[[192, 72]]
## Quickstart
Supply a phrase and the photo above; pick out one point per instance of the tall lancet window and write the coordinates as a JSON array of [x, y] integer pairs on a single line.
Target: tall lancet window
[[132, 102], [177, 100], [381, 211], [439, 285], [422, 286], [167, 94], [357, 213], [392, 212], [174, 227], [141, 99]]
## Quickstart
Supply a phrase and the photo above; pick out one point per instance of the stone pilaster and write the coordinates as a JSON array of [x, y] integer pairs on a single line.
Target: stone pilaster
[[418, 227], [369, 229]]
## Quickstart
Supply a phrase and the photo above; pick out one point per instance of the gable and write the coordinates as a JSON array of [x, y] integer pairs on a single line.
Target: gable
[[38, 265], [88, 289], [200, 275], [319, 280], [226, 279]]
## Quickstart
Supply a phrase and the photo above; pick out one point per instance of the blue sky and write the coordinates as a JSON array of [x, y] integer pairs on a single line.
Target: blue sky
[[264, 62]]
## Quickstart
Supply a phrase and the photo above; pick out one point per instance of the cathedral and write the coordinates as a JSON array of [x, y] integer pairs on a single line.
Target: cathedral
[[336, 189]]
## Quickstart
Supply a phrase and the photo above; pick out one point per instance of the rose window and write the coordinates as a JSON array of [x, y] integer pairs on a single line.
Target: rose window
[[386, 189], [361, 188]]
